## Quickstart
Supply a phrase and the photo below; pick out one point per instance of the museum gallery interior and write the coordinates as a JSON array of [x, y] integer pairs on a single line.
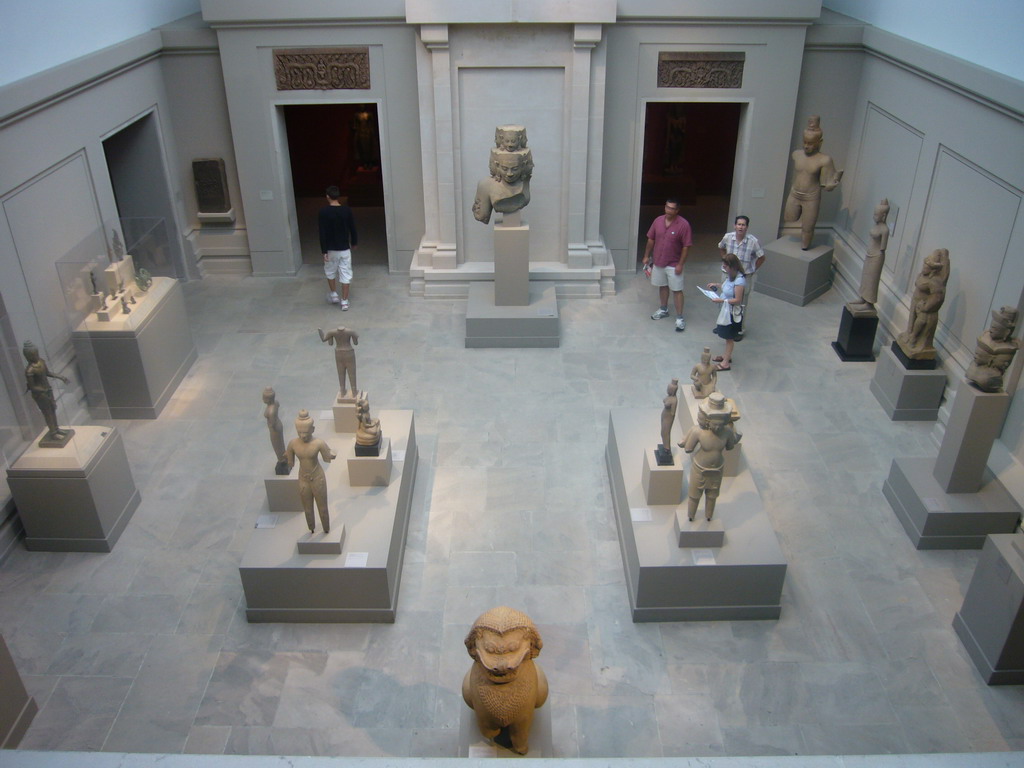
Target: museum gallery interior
[[342, 414]]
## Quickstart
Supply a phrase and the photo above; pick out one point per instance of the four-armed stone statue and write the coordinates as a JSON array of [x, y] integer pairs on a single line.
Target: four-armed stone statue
[[929, 293], [995, 351], [663, 452], [704, 376], [504, 686], [873, 263], [272, 414], [312, 481], [812, 172], [36, 383], [368, 432], [342, 340], [507, 189], [707, 440]]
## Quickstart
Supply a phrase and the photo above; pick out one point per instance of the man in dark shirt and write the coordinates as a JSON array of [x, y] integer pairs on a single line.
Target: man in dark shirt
[[337, 240]]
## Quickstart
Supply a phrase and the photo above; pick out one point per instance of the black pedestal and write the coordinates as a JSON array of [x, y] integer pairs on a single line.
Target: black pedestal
[[856, 338], [368, 450], [663, 455], [912, 364]]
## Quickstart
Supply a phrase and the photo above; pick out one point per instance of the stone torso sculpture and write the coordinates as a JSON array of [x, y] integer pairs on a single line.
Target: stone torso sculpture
[[873, 263], [707, 441], [994, 352], [272, 414], [37, 376], [507, 188], [704, 376], [504, 686], [342, 339], [929, 293], [312, 481], [812, 172], [668, 417]]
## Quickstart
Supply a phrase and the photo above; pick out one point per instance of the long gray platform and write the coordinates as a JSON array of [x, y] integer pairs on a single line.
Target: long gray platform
[[792, 274], [741, 580], [78, 498], [141, 357], [533, 325], [934, 519], [361, 583], [990, 623]]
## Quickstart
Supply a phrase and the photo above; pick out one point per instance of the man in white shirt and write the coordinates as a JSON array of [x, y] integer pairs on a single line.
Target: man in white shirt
[[748, 250]]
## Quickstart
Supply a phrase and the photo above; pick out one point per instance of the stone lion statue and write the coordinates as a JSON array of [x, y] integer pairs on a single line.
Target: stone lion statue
[[504, 686]]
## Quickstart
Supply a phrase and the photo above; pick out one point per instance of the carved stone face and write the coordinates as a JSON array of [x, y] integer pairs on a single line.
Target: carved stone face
[[811, 145], [501, 655], [510, 168], [508, 141], [305, 430]]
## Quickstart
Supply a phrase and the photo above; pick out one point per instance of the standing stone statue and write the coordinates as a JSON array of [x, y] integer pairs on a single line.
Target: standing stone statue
[[704, 376], [812, 172], [507, 189], [663, 453], [368, 432], [504, 686], [37, 383], [929, 293], [342, 340], [312, 481], [873, 263], [995, 351], [272, 414], [707, 440]]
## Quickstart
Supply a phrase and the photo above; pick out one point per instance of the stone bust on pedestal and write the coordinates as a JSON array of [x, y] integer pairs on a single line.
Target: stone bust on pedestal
[[507, 189]]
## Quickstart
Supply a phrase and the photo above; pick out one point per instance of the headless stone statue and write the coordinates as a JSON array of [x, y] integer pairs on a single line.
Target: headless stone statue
[[507, 188], [343, 339], [874, 261], [917, 342], [704, 376], [994, 352], [812, 172], [272, 414], [707, 440], [668, 416], [37, 383], [312, 481]]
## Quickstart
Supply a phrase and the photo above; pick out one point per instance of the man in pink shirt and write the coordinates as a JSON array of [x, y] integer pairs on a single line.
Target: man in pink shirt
[[670, 239]]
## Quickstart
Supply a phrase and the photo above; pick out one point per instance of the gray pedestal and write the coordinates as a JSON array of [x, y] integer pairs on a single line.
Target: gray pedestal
[[699, 532], [17, 708], [360, 584], [741, 580], [662, 484], [511, 265], [907, 395], [488, 325], [793, 275], [346, 414], [283, 492], [473, 744], [934, 519], [990, 623], [78, 498], [142, 357], [365, 471], [975, 421]]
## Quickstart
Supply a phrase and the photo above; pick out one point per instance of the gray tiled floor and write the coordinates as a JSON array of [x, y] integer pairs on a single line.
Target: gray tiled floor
[[147, 648]]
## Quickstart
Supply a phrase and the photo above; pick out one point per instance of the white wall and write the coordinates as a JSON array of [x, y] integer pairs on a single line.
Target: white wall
[[986, 32], [41, 34]]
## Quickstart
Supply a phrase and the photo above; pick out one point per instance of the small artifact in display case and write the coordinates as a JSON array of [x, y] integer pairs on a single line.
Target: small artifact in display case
[[708, 440], [312, 481], [124, 306], [504, 686], [37, 377], [92, 279], [143, 279]]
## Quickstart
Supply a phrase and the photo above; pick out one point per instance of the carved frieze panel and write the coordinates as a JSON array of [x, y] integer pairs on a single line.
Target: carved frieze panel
[[211, 185], [700, 70], [322, 69]]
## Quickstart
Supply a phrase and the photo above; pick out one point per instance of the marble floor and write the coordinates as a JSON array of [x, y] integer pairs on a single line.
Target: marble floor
[[147, 648]]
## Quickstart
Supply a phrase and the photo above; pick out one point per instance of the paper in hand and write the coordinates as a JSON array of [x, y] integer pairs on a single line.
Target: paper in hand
[[706, 292]]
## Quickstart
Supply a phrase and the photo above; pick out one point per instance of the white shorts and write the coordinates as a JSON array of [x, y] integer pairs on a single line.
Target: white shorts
[[339, 266], [667, 276]]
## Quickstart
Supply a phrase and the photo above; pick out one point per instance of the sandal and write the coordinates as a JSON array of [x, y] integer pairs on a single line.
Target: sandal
[[717, 359], [721, 367]]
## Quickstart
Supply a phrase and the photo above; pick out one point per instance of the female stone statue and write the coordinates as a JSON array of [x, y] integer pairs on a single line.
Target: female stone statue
[[272, 414], [668, 417], [37, 384], [704, 376], [312, 481], [342, 340], [929, 293], [873, 263]]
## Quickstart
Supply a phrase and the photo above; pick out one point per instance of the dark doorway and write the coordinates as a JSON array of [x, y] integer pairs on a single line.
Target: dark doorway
[[135, 162], [337, 144], [689, 154]]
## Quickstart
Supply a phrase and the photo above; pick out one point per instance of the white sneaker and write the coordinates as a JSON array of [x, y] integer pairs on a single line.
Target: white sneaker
[[332, 297], [659, 313], [344, 305], [680, 324]]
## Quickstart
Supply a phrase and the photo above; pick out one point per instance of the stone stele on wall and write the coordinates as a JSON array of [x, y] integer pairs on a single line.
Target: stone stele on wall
[[700, 70], [322, 69]]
